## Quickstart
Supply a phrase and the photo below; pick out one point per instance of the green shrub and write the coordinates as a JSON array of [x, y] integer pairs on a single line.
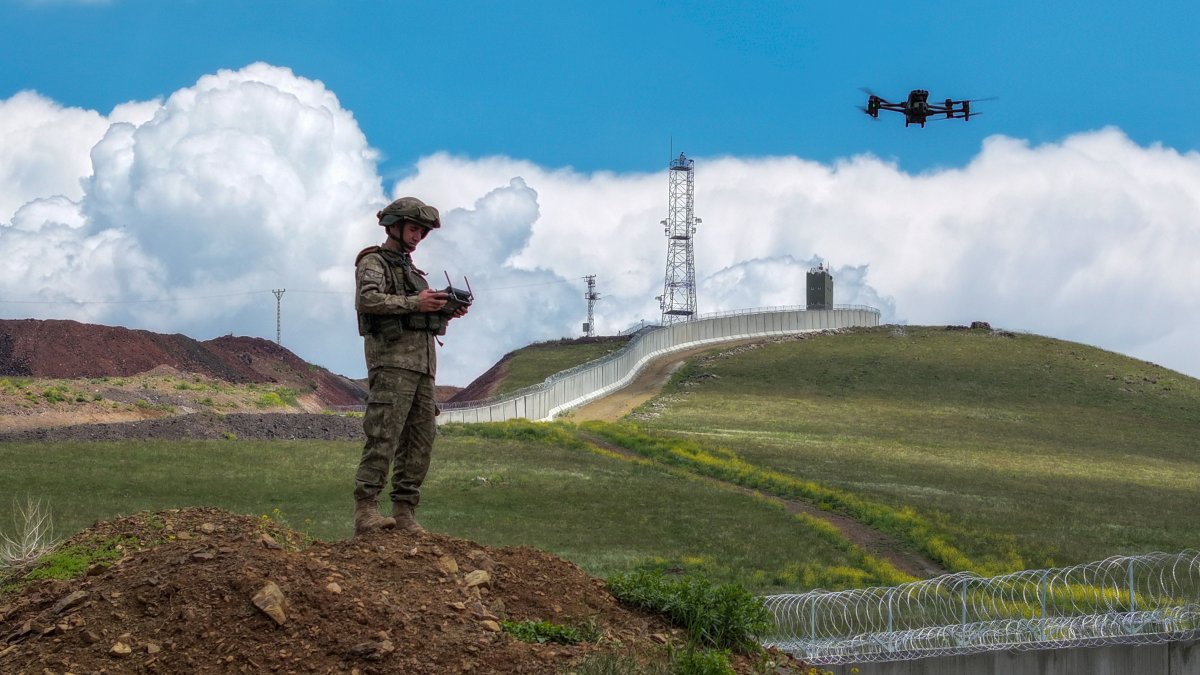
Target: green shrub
[[269, 400], [56, 394], [70, 562], [723, 617], [542, 631], [692, 661]]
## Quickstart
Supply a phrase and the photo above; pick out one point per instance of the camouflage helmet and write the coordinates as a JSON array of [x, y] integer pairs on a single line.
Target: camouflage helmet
[[410, 208]]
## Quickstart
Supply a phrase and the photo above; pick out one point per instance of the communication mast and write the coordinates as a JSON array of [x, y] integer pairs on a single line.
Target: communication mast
[[589, 328], [678, 300], [278, 300]]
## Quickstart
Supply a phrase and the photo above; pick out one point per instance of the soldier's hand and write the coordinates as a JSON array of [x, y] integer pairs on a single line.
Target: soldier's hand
[[461, 311], [430, 300]]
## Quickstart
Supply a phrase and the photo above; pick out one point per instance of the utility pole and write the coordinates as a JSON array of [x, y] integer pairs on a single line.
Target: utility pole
[[278, 301], [589, 328], [678, 301]]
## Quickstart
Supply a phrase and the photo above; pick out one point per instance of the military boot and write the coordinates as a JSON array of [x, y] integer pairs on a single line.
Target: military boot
[[368, 518], [404, 517]]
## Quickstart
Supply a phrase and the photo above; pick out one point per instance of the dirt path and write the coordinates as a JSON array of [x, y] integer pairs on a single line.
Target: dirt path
[[650, 382], [645, 386], [874, 542]]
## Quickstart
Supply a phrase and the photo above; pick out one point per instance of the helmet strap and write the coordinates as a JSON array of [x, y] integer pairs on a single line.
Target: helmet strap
[[399, 240]]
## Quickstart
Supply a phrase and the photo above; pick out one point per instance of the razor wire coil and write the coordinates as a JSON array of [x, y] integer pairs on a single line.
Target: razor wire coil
[[1142, 599]]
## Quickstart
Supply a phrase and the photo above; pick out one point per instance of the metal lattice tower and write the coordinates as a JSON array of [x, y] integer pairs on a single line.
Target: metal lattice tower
[[589, 328], [678, 301], [278, 301]]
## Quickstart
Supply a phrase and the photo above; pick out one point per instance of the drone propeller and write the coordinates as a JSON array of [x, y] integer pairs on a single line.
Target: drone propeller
[[874, 116], [957, 115], [873, 95], [976, 100]]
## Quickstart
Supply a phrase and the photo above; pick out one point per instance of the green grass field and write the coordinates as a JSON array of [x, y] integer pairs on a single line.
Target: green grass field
[[607, 515], [1074, 452], [988, 452]]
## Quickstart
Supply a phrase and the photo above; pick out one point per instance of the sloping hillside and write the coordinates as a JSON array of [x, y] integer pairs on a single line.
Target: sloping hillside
[[1021, 449], [70, 349], [533, 364]]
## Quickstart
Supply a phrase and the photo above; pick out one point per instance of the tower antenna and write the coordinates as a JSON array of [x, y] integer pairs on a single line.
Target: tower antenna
[[678, 300], [589, 328], [278, 301]]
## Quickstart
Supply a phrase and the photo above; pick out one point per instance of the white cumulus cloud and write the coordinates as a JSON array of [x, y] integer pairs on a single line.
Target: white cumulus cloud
[[182, 214]]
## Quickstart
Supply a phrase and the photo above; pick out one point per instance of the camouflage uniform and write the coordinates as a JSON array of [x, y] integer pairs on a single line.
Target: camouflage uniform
[[401, 365]]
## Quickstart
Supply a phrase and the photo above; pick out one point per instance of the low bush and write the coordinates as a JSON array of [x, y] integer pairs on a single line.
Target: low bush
[[542, 631], [725, 616]]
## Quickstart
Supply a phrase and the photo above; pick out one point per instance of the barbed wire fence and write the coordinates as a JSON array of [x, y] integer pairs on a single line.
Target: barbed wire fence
[[1142, 599]]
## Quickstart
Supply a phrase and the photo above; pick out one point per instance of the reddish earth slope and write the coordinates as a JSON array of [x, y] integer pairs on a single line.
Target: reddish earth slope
[[70, 349]]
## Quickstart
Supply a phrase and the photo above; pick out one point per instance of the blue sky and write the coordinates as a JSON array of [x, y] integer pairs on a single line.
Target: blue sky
[[606, 86], [542, 130]]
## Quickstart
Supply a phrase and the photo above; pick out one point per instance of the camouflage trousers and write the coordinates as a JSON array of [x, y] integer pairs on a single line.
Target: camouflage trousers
[[400, 428]]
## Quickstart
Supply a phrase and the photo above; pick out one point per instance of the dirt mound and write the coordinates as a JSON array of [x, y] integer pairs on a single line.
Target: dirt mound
[[204, 591], [70, 349]]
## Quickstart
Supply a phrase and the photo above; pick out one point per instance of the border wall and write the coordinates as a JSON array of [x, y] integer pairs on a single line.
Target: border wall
[[593, 380], [1170, 658]]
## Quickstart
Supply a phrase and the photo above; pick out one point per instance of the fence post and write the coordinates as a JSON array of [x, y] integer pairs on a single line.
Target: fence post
[[964, 603], [1042, 594], [889, 625], [1132, 599]]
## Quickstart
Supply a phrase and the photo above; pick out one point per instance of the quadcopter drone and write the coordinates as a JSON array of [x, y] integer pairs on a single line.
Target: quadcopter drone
[[917, 109]]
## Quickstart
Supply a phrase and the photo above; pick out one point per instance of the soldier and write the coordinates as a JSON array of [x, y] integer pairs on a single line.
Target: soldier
[[398, 317]]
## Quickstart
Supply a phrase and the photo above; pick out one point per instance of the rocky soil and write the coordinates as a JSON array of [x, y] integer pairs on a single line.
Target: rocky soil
[[206, 591]]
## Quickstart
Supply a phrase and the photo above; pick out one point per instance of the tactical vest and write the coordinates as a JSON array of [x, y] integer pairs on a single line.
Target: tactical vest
[[402, 279]]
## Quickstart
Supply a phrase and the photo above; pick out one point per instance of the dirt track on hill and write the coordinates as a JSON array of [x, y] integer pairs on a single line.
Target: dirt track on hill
[[650, 382], [645, 386]]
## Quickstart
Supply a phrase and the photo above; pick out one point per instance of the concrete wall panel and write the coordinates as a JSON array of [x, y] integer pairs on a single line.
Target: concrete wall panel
[[1171, 658], [564, 391]]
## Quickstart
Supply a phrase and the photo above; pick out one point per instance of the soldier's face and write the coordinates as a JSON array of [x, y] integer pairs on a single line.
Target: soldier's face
[[412, 234]]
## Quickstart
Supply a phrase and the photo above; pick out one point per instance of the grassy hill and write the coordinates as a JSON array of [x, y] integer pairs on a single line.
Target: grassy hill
[[1068, 452], [984, 450], [533, 364]]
